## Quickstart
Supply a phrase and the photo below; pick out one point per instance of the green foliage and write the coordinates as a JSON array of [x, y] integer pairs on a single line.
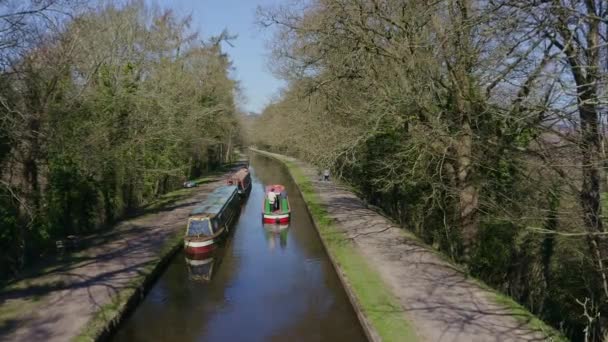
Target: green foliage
[[495, 250], [72, 200], [439, 115], [9, 234], [119, 107]]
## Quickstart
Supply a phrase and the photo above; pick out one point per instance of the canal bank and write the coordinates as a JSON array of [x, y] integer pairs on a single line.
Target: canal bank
[[83, 296], [404, 290], [266, 282]]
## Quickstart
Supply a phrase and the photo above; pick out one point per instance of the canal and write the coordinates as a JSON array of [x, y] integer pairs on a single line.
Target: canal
[[266, 283]]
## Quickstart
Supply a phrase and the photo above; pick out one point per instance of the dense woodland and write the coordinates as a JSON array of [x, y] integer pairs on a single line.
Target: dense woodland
[[476, 124], [103, 107]]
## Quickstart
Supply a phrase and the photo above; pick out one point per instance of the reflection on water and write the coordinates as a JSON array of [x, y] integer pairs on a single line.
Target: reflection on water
[[200, 267], [265, 283], [276, 234]]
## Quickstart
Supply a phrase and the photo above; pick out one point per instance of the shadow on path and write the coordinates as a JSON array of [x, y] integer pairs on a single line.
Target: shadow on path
[[55, 299], [441, 301]]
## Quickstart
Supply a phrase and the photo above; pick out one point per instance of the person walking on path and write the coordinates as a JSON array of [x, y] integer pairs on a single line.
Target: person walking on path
[[326, 175]]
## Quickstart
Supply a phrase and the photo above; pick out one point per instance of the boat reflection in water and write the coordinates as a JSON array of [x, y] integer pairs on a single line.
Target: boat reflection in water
[[201, 266], [276, 234]]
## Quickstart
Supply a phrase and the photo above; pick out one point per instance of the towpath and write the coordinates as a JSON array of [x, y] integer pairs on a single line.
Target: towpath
[[56, 303], [437, 298]]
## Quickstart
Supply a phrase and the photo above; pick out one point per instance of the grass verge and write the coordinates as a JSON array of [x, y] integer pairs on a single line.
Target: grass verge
[[382, 312], [109, 316]]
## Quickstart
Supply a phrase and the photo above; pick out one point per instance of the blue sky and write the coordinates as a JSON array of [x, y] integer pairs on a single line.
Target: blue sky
[[249, 54]]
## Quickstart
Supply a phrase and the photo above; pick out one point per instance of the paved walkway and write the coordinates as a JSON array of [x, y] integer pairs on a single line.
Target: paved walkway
[[438, 299], [57, 304]]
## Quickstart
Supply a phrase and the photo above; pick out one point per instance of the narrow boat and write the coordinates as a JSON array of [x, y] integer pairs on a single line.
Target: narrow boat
[[209, 221], [242, 180], [280, 213]]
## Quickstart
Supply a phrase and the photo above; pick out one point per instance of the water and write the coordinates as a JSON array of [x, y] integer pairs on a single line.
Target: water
[[267, 283]]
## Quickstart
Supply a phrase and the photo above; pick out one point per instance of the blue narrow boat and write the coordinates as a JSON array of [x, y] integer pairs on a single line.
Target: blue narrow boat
[[210, 220]]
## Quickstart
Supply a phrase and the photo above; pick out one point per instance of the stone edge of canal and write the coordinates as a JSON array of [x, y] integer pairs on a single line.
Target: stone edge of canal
[[103, 324], [368, 328]]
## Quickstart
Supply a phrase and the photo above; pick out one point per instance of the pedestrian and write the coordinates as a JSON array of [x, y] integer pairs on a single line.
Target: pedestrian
[[326, 175]]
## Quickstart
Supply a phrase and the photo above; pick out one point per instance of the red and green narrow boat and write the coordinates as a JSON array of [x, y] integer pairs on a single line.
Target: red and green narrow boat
[[280, 213]]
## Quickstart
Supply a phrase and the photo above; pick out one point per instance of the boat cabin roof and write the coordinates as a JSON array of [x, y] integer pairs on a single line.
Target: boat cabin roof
[[215, 201]]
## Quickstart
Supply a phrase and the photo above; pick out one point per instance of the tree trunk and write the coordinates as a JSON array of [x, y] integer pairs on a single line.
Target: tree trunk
[[31, 180], [548, 244], [590, 191], [468, 193], [228, 158]]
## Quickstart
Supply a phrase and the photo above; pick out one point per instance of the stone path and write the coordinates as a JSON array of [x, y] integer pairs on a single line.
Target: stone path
[[437, 298], [61, 301]]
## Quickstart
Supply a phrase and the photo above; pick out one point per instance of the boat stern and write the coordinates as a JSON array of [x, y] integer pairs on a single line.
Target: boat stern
[[193, 247], [276, 218]]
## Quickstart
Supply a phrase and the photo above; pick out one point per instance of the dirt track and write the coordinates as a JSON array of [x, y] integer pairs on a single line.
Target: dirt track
[[61, 301]]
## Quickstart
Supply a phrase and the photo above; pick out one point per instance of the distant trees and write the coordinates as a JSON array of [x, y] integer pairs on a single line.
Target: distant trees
[[477, 124], [117, 105]]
